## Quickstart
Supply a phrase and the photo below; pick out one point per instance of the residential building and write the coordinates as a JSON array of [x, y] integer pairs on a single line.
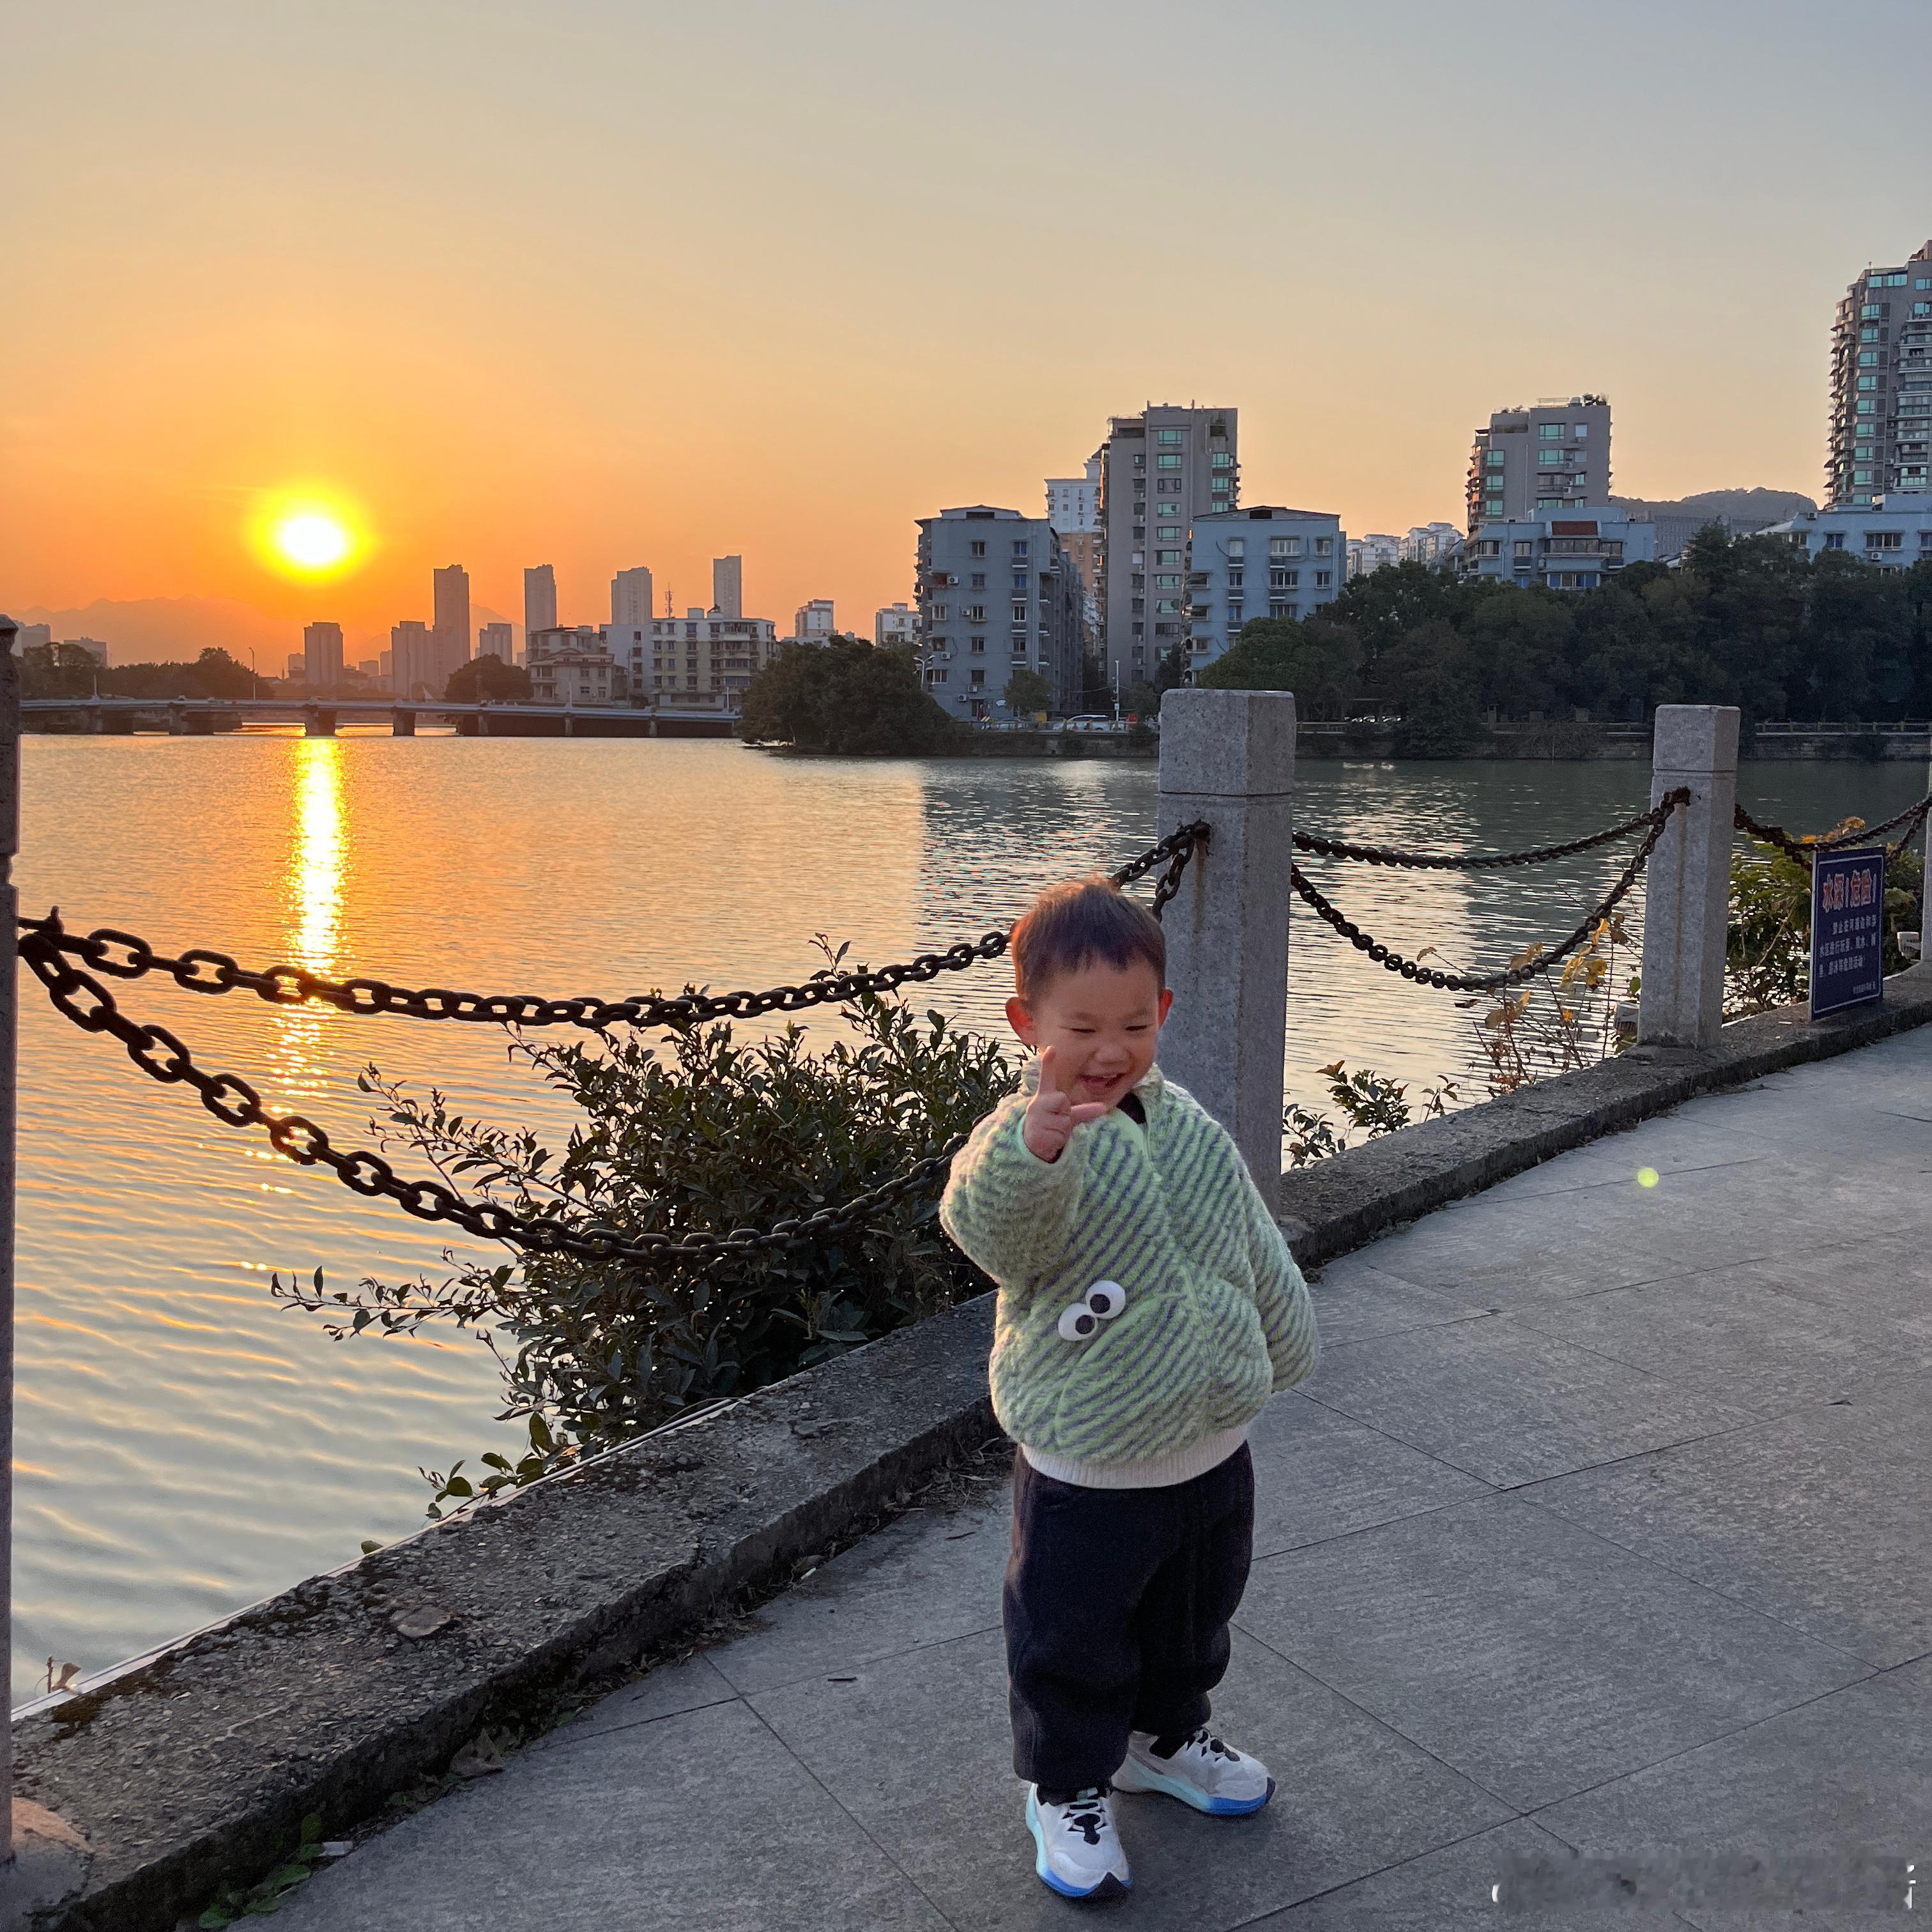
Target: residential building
[[1431, 543], [1894, 533], [370, 669], [813, 623], [1183, 462], [322, 655], [1082, 549], [1575, 549], [1372, 553], [727, 586], [896, 624], [539, 600], [630, 595], [573, 665], [296, 671], [702, 660], [412, 660], [1882, 386], [1555, 455], [1073, 502], [497, 641], [96, 648], [32, 637], [997, 595], [452, 622], [1263, 562]]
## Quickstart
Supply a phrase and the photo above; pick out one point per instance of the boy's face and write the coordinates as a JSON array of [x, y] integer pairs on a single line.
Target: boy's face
[[1102, 1021]]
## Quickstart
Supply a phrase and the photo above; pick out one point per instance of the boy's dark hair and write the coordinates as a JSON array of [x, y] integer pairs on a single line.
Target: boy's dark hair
[[1085, 919]]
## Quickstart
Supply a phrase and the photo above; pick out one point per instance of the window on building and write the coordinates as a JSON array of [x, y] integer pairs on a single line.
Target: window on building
[[1169, 437], [1020, 580], [1170, 558], [1234, 614], [1866, 406], [1284, 580], [1324, 546], [1237, 549], [1276, 608], [1167, 462], [1019, 613], [1140, 463], [1324, 579], [1167, 532], [1236, 579], [1869, 313], [1549, 459], [1835, 539], [976, 644], [1867, 359], [1019, 644], [1284, 547], [1495, 460], [1921, 282], [1021, 545], [978, 680], [1220, 460], [1579, 432], [1525, 547], [1895, 281], [1868, 381], [1922, 308], [1885, 540], [1167, 580], [1492, 506], [1861, 476], [1869, 334], [976, 549], [979, 579]]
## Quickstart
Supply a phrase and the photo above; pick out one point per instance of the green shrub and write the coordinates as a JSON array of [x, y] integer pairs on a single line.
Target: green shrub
[[692, 1131]]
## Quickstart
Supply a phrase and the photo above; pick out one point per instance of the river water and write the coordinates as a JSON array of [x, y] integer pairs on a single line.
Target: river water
[[184, 1445]]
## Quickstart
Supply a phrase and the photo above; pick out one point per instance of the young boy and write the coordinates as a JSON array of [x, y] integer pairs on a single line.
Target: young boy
[[1148, 1306]]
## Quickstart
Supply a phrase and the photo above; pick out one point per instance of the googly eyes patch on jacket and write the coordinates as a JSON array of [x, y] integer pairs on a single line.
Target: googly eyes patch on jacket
[[1080, 1321]]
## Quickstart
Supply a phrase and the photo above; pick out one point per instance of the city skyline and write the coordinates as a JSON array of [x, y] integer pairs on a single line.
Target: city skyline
[[537, 397]]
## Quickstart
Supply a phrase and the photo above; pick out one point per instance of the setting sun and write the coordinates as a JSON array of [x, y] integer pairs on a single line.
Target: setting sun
[[313, 540], [310, 534]]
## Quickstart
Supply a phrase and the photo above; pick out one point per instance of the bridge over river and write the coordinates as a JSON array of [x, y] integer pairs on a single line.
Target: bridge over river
[[322, 717]]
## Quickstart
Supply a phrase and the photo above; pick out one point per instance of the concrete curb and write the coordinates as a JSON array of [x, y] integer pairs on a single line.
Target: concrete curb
[[195, 1768]]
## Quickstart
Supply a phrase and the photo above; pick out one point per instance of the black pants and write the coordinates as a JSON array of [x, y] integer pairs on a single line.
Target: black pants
[[1116, 1608]]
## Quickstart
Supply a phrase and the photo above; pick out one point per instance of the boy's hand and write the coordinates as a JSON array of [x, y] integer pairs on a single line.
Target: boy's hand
[[1052, 1115]]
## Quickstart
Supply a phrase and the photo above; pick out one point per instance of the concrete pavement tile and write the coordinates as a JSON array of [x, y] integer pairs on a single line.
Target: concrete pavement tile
[[1509, 1404], [1450, 1891], [923, 1579], [1532, 1656], [1319, 1474], [1831, 1789], [921, 1748], [1733, 1334], [1817, 1517], [1353, 1298], [702, 1819], [688, 1685]]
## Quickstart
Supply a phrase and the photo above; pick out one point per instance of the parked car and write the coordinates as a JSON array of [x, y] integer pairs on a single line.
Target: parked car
[[1089, 721]]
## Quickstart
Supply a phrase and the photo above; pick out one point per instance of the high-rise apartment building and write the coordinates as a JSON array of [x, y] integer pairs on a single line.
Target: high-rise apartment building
[[1555, 455], [1159, 471], [896, 624], [322, 655], [997, 595], [32, 637], [1264, 563], [1073, 502], [1376, 551], [1882, 386], [539, 600], [727, 586], [412, 660], [498, 641], [702, 662], [813, 623], [631, 597], [452, 622], [1432, 544]]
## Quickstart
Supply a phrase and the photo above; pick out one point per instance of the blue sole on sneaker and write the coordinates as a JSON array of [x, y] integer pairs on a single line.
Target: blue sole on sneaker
[[1174, 1787], [1109, 1887]]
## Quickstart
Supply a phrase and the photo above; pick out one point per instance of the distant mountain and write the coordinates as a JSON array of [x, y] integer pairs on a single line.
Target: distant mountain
[[1743, 506]]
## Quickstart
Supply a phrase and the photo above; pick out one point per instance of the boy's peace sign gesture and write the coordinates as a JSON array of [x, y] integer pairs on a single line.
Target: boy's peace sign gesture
[[1052, 1114]]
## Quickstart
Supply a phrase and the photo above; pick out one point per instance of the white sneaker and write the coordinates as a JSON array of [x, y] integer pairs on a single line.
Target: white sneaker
[[1079, 1851], [1212, 1777]]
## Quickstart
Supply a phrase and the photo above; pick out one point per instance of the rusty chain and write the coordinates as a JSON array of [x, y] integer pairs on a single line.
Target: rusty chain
[[1658, 817], [126, 955], [1801, 852], [45, 943], [1379, 855]]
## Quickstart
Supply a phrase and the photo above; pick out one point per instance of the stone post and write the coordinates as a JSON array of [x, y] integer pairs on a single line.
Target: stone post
[[1687, 894], [1228, 757], [9, 905]]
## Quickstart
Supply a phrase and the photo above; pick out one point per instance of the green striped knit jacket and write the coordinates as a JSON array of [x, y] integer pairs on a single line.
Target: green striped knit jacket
[[1216, 1316]]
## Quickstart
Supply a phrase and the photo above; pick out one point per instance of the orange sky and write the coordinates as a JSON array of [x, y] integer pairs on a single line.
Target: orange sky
[[604, 284]]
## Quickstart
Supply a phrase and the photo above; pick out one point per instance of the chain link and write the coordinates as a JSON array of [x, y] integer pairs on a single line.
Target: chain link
[[1801, 852], [126, 955], [156, 1051], [1378, 855], [159, 1054], [1460, 982]]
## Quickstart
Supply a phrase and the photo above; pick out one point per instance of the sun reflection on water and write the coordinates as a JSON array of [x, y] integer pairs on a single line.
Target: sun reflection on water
[[312, 901]]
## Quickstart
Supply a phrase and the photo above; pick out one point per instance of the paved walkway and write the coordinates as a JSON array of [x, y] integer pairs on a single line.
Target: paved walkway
[[1604, 1527]]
